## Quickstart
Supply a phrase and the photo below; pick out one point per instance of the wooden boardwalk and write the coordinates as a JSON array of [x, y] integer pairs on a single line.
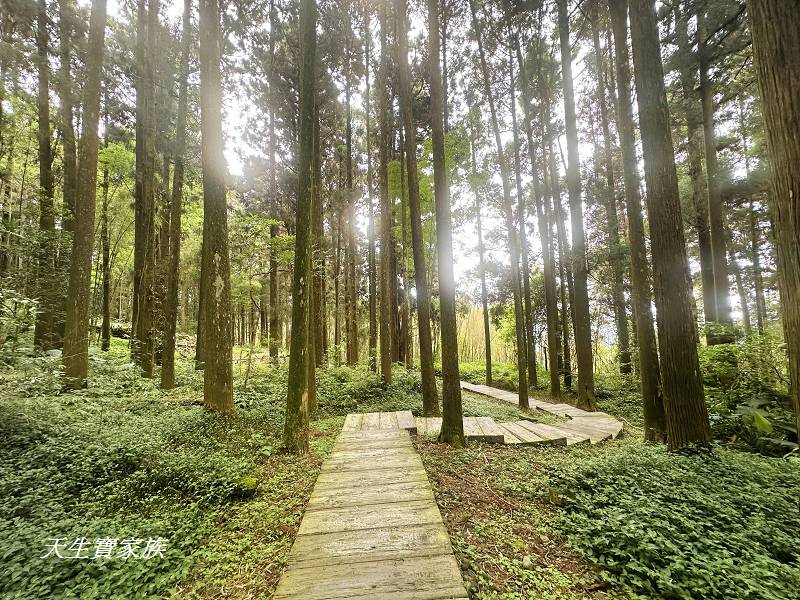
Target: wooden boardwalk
[[583, 427], [372, 528]]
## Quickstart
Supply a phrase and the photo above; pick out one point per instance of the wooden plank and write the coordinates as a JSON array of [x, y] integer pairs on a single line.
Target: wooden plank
[[472, 431], [344, 479], [399, 491], [524, 435], [388, 420], [492, 434], [372, 421], [508, 435], [553, 435], [596, 435], [405, 420], [380, 543], [429, 426], [608, 424], [417, 578], [586, 413], [345, 445], [371, 436], [352, 422], [343, 465], [559, 410], [389, 514]]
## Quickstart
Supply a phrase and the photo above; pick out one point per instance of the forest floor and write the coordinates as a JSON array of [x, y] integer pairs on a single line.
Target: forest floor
[[122, 459]]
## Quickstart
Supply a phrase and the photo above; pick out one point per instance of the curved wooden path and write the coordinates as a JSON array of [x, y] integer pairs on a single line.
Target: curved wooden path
[[582, 427], [372, 528]]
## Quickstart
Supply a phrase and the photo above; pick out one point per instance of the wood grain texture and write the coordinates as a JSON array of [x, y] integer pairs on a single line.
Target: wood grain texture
[[372, 528]]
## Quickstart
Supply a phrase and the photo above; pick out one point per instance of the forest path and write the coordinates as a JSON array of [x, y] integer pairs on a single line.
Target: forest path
[[372, 528], [582, 427]]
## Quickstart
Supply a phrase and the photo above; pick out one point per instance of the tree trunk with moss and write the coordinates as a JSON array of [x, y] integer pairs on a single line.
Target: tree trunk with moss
[[295, 432], [217, 311], [76, 332]]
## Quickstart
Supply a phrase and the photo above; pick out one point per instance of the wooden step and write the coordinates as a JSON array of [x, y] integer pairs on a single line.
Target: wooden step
[[595, 435], [552, 435], [515, 434], [405, 420]]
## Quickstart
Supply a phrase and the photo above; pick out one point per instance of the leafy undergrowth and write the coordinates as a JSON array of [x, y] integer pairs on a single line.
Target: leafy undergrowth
[[711, 525], [495, 508], [122, 459], [622, 518]]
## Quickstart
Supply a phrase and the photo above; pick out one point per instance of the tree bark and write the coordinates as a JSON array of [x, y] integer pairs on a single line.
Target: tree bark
[[45, 334], [716, 218], [641, 299], [385, 217], [318, 258], [582, 324], [351, 300], [513, 238], [616, 252], [430, 400], [297, 406], [682, 384], [275, 324], [776, 48], [530, 342], [695, 154], [452, 431], [105, 327], [173, 275], [76, 332], [373, 304], [217, 310]]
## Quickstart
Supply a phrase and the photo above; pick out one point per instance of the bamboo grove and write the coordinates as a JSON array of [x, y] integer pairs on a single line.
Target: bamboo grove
[[624, 176]]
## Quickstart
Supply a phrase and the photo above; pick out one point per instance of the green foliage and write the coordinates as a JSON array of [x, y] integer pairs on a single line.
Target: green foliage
[[746, 389], [114, 460], [711, 525]]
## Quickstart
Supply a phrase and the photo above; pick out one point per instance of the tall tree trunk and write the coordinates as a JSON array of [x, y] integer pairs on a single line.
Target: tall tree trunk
[[337, 268], [542, 216], [530, 343], [564, 272], [682, 384], [406, 310], [758, 280], [386, 217], [76, 332], [513, 238], [105, 327], [743, 299], [173, 275], [373, 304], [318, 258], [694, 130], [144, 234], [295, 431], [70, 157], [430, 401], [616, 252], [275, 325], [44, 335], [217, 311], [487, 340], [351, 303], [582, 324], [452, 431], [716, 218], [776, 49], [641, 299]]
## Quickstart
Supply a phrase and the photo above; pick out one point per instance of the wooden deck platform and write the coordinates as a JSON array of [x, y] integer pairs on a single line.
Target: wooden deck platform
[[372, 528]]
